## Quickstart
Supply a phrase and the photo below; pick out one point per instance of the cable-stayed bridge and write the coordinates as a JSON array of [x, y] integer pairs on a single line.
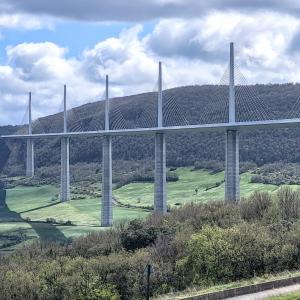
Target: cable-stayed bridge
[[234, 106]]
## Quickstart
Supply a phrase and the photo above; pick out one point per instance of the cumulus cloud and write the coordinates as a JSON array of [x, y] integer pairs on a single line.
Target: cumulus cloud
[[42, 68], [192, 52], [23, 21], [263, 39]]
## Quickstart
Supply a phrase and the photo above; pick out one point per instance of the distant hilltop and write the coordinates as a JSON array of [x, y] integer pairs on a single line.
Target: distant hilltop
[[190, 104]]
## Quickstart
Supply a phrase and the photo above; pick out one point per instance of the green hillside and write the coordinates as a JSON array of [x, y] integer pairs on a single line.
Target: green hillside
[[35, 211], [197, 104], [192, 185]]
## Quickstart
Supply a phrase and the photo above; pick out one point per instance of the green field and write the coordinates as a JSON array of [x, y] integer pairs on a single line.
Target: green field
[[196, 186], [28, 207]]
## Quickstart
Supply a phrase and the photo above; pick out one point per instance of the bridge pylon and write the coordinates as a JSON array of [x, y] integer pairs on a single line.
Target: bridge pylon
[[232, 177], [65, 157]]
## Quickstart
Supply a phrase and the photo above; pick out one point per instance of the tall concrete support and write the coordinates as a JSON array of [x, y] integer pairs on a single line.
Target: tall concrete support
[[30, 145], [30, 158], [107, 205], [160, 194], [65, 158], [232, 177], [65, 170]]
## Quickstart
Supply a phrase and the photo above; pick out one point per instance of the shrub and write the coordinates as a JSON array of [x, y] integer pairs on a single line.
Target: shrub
[[255, 206], [288, 203], [139, 235]]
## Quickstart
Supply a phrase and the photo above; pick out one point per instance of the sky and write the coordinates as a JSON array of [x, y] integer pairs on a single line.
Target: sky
[[46, 44]]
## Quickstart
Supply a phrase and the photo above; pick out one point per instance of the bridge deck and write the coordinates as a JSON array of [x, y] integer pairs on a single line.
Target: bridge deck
[[251, 125]]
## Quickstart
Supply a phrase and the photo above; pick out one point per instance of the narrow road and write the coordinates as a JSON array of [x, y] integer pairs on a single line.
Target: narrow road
[[268, 293]]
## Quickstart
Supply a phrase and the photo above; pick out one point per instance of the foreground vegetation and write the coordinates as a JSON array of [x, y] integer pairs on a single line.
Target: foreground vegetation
[[196, 245]]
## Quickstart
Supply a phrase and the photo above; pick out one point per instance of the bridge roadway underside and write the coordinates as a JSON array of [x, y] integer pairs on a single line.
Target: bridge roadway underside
[[221, 127]]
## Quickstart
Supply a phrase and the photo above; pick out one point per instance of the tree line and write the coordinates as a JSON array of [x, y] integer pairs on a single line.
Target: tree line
[[193, 105]]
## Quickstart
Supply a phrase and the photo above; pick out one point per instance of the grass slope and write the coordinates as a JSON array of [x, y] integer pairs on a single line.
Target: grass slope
[[184, 190], [28, 207]]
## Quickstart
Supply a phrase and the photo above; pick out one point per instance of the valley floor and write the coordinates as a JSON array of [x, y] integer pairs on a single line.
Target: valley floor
[[35, 212]]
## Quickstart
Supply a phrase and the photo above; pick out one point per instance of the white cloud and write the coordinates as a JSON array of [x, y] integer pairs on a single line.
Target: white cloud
[[262, 41], [193, 52], [24, 21]]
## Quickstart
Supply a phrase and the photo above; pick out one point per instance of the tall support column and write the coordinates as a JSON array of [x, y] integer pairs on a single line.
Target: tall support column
[[107, 205], [65, 158], [30, 146], [30, 158], [65, 170], [160, 194], [232, 177]]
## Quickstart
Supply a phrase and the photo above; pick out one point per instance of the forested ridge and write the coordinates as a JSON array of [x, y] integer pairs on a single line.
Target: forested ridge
[[192, 105]]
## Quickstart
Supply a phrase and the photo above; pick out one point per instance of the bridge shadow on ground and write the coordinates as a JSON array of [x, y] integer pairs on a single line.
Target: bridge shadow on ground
[[47, 232], [36, 208]]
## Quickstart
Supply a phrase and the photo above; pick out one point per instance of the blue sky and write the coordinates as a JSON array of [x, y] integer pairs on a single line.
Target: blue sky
[[74, 35], [45, 44]]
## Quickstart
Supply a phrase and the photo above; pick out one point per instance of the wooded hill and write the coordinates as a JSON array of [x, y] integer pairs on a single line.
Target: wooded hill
[[183, 105]]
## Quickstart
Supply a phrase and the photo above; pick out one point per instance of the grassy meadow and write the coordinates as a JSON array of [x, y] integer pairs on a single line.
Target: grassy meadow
[[192, 185], [28, 208]]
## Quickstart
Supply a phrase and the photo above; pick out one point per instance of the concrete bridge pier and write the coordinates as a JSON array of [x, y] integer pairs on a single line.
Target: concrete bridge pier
[[160, 195], [30, 158], [30, 145], [107, 205], [232, 177], [65, 158], [65, 170]]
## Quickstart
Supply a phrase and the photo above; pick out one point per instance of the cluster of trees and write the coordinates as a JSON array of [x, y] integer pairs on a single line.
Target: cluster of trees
[[277, 173], [198, 244], [197, 104], [87, 174]]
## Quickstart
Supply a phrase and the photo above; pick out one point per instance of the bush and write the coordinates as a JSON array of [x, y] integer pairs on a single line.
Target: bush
[[255, 207], [51, 220], [137, 235], [288, 203]]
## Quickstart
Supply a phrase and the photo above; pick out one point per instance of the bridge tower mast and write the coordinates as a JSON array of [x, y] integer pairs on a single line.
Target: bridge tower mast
[[65, 157], [30, 145], [107, 205], [160, 195], [232, 177]]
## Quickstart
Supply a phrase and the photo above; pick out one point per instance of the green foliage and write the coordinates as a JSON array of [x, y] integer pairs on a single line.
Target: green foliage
[[228, 254], [137, 235], [255, 206], [198, 244], [289, 203], [277, 173]]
